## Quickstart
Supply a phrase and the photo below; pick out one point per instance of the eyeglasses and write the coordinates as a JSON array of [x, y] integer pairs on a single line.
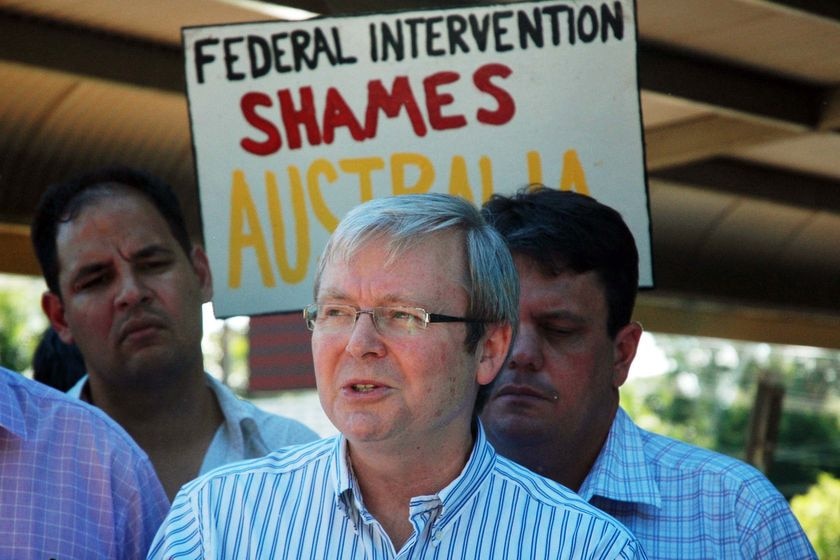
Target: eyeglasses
[[388, 321]]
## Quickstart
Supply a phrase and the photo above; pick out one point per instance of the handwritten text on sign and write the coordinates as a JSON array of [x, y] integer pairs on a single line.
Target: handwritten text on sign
[[294, 123]]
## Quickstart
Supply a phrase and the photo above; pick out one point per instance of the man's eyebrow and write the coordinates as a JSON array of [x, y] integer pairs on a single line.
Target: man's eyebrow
[[150, 251], [386, 300], [332, 294], [88, 270], [561, 314]]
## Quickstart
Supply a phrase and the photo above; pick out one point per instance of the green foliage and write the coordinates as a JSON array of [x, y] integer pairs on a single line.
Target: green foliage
[[819, 513], [21, 322], [808, 443], [706, 395], [11, 331]]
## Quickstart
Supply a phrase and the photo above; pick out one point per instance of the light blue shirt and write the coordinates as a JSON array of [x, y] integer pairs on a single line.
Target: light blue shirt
[[685, 502], [303, 503], [73, 484], [248, 432]]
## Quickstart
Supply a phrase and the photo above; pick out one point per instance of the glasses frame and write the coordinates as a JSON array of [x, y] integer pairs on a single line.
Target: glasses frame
[[427, 317]]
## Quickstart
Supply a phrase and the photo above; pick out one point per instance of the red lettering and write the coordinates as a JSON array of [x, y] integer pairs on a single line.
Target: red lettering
[[391, 103], [435, 101], [298, 115], [248, 104], [293, 118], [336, 114], [506, 105]]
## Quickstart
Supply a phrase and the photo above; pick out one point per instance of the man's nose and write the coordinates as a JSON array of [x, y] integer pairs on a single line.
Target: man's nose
[[526, 354], [364, 338], [132, 290]]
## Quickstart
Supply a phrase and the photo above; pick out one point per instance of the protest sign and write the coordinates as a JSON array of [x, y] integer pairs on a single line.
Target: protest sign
[[294, 123]]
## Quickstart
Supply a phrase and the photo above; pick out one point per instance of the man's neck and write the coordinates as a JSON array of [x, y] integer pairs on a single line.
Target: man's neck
[[173, 424], [566, 462], [389, 480]]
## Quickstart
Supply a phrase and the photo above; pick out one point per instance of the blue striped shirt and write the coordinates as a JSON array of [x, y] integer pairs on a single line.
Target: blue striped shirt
[[302, 502], [683, 501]]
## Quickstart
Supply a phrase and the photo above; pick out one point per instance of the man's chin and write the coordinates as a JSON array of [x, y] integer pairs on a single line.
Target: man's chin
[[151, 368], [518, 425]]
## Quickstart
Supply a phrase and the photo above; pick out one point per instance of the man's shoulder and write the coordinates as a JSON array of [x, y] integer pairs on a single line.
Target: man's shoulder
[[278, 430], [61, 416], [543, 490], [685, 464], [548, 499], [669, 453], [274, 466], [274, 429]]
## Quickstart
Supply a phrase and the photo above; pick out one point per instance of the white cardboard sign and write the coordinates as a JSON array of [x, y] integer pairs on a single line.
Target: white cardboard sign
[[294, 123]]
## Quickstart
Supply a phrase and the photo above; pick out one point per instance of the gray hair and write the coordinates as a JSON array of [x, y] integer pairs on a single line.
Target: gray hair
[[491, 282]]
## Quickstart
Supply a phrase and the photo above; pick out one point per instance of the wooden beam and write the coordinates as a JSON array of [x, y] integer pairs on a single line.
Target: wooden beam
[[728, 86], [821, 8], [684, 316], [830, 116], [707, 137], [92, 53], [737, 177], [17, 256]]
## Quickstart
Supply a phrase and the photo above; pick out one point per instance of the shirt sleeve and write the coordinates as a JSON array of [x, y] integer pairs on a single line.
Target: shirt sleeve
[[768, 527], [140, 502]]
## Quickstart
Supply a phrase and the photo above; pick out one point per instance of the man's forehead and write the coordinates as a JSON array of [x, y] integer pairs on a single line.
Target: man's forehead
[[96, 210], [565, 291], [100, 228], [396, 259]]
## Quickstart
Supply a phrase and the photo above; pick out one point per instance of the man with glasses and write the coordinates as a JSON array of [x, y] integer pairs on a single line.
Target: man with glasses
[[415, 302]]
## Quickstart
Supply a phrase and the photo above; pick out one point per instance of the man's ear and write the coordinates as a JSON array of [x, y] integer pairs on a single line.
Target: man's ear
[[492, 351], [624, 350], [54, 310], [201, 265]]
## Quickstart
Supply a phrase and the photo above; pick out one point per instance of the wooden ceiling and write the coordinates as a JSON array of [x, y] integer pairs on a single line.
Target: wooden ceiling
[[741, 113]]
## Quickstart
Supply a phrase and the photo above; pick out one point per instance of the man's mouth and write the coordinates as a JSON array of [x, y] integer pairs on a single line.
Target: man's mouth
[[525, 391], [140, 327], [363, 387]]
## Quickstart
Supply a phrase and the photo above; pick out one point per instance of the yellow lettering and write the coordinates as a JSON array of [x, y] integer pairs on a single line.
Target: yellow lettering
[[242, 209], [363, 167], [534, 168], [275, 211], [321, 167], [426, 173], [485, 167], [573, 177], [459, 183]]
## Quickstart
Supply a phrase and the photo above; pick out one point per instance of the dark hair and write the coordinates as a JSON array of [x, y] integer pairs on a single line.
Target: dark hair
[[62, 202], [564, 230], [56, 363]]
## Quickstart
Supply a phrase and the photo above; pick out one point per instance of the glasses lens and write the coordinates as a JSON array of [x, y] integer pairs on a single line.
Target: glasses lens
[[330, 317], [389, 321], [310, 313], [399, 321]]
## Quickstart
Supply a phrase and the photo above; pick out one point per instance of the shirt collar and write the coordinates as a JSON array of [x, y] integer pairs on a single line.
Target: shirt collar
[[239, 419], [621, 471], [450, 499], [80, 389]]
